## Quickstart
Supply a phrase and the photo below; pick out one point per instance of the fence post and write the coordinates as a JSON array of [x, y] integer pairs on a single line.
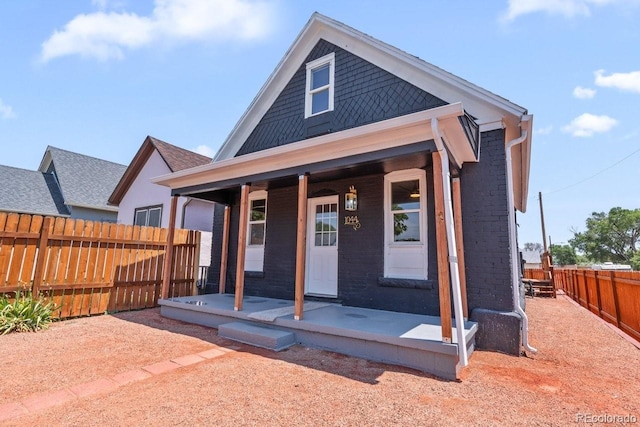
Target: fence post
[[42, 256], [595, 272], [196, 263], [612, 274], [586, 288]]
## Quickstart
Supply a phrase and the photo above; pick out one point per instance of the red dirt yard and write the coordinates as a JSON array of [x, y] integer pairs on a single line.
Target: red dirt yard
[[138, 368]]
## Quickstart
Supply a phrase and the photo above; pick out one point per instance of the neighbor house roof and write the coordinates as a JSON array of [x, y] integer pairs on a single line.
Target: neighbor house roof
[[85, 181], [176, 158], [30, 192]]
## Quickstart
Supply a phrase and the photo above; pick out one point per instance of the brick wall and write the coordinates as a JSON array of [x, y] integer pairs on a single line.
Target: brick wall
[[485, 218]]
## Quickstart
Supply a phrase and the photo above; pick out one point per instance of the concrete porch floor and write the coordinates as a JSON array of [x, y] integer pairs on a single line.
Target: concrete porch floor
[[398, 338]]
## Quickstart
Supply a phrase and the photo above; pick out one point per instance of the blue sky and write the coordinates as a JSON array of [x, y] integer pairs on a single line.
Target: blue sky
[[98, 76]]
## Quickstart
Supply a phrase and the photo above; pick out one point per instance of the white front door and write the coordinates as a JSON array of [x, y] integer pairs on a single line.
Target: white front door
[[322, 247]]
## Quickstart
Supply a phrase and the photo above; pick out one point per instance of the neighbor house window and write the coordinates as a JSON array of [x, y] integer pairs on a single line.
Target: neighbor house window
[[257, 227], [150, 216], [319, 97], [405, 224]]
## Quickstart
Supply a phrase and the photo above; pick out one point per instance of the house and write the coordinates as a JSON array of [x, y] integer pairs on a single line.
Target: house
[[141, 202], [363, 176], [66, 184], [531, 258]]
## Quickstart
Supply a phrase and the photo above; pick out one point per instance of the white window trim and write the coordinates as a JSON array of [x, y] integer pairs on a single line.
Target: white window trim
[[392, 248], [327, 59], [254, 254]]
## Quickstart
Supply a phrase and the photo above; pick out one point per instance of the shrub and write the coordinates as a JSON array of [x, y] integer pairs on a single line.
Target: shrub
[[25, 313]]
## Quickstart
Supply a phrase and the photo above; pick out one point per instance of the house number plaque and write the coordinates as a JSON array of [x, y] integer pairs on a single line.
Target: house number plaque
[[352, 221]]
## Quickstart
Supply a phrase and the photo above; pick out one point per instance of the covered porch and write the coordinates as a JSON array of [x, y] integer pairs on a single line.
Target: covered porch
[[397, 338], [440, 141]]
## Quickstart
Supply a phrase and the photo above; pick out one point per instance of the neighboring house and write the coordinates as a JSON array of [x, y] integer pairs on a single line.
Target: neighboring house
[[66, 184], [366, 139], [141, 202], [531, 259]]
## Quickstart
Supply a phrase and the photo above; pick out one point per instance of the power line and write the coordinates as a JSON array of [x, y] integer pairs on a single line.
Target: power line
[[594, 175]]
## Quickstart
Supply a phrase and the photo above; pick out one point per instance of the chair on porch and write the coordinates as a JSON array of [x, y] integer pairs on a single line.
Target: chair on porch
[[545, 286]]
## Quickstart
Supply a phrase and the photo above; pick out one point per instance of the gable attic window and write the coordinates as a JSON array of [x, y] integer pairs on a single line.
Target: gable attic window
[[319, 93]]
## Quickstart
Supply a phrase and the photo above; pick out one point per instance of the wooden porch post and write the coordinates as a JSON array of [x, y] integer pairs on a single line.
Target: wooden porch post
[[457, 215], [225, 250], [301, 246], [242, 245], [442, 251], [168, 256]]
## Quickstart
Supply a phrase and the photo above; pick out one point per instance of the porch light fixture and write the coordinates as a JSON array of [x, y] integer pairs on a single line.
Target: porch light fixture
[[415, 193], [351, 199]]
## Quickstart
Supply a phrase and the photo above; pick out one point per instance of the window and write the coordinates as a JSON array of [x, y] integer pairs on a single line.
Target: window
[[405, 224], [257, 226], [319, 94], [150, 216], [257, 222]]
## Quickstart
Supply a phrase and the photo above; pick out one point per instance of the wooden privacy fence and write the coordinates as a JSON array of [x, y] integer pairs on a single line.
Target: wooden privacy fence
[[90, 267], [612, 295]]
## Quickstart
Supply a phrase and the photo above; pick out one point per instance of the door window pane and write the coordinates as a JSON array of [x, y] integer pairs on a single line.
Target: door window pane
[[406, 227], [326, 233], [258, 210], [256, 234], [405, 195]]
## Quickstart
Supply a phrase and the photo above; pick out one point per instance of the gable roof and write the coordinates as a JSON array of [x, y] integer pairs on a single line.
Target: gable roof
[[490, 110], [85, 181], [30, 192], [176, 159]]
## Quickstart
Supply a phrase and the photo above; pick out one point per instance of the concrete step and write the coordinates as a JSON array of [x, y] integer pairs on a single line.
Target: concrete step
[[259, 336]]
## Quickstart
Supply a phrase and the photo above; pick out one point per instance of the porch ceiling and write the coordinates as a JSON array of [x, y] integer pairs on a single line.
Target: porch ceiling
[[402, 141]]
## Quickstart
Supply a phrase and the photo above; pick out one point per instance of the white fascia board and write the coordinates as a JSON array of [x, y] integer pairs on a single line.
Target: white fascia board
[[97, 208], [480, 103], [377, 136]]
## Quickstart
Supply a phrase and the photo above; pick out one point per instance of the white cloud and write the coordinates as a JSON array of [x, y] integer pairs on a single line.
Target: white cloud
[[204, 150], [587, 124], [624, 81], [543, 131], [566, 8], [6, 111], [104, 36], [583, 92]]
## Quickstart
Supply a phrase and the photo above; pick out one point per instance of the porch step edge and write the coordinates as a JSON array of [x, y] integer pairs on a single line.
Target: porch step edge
[[258, 336]]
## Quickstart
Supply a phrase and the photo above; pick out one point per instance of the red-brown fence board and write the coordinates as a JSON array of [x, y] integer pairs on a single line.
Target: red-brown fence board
[[612, 295], [89, 268]]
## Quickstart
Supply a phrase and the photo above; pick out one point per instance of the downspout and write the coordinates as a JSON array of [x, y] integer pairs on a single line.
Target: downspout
[[515, 265], [451, 245]]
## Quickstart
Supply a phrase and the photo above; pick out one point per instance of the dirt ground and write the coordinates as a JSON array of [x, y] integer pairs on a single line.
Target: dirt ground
[[582, 369]]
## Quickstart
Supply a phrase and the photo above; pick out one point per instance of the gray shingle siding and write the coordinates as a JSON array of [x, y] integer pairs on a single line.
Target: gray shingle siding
[[364, 93], [485, 226]]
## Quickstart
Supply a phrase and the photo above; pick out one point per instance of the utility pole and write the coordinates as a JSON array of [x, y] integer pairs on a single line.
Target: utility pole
[[544, 233]]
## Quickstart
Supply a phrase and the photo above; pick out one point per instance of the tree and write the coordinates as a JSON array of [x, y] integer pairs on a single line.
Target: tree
[[563, 255], [613, 236], [533, 247]]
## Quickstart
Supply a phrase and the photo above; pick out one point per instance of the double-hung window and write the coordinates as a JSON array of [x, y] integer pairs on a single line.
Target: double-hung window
[[148, 216], [319, 94], [257, 227], [405, 224]]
